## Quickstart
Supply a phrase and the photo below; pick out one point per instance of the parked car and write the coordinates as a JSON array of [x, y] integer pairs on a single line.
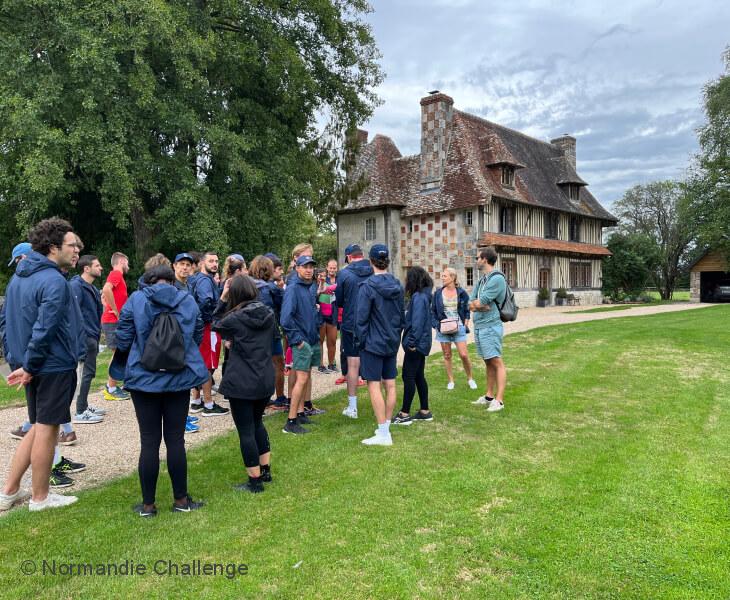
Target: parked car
[[721, 293]]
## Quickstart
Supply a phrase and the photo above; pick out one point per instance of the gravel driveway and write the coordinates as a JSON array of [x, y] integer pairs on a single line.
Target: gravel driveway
[[111, 448]]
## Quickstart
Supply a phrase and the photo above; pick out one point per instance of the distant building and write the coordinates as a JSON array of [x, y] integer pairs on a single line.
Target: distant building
[[475, 184], [708, 275]]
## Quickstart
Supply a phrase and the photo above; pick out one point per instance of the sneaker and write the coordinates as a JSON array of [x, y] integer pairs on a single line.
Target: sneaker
[[18, 433], [350, 412], [361, 382], [340, 380], [402, 420], [332, 368], [59, 480], [304, 419], [68, 466], [215, 411], [379, 440], [67, 439], [86, 417], [313, 411], [419, 416], [254, 486], [472, 384], [117, 394], [51, 501], [191, 427], [266, 475], [195, 407], [192, 419], [140, 510], [95, 410], [322, 369], [214, 389], [294, 428], [189, 505], [483, 400], [450, 385], [7, 500], [495, 405]]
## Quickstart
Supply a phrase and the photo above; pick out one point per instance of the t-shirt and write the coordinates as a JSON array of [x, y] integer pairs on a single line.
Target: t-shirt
[[119, 289], [451, 306], [488, 290]]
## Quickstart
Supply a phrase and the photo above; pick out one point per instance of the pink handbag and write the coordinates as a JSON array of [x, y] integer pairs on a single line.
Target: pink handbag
[[449, 326]]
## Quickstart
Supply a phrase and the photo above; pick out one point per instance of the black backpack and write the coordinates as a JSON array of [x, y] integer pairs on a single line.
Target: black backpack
[[165, 347]]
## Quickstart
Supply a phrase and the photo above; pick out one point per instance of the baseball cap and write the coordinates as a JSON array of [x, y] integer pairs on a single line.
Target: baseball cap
[[19, 250], [305, 260], [272, 256], [379, 251], [184, 256], [353, 249], [237, 257]]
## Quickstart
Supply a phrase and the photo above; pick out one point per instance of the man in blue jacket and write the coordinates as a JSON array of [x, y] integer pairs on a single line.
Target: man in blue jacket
[[300, 321], [89, 300], [41, 332], [379, 325], [349, 281]]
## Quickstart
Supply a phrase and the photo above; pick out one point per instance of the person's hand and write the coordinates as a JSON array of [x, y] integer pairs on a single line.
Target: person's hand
[[19, 378], [300, 345], [412, 349], [226, 288], [228, 344]]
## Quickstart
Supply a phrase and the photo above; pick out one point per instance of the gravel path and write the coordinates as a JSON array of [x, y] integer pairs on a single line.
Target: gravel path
[[110, 449]]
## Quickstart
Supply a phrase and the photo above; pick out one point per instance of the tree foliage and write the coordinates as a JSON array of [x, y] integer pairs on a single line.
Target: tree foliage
[[167, 125], [633, 262]]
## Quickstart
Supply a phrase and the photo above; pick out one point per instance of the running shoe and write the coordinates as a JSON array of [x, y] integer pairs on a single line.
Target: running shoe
[[402, 420], [146, 514], [313, 411], [96, 410], [350, 412], [86, 417], [294, 428], [51, 501], [189, 505], [420, 416], [59, 480], [117, 394], [191, 427], [195, 407], [68, 466], [18, 433], [67, 439], [215, 411], [7, 500], [340, 380]]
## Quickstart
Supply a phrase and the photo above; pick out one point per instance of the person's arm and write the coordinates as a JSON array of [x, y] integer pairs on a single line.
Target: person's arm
[[340, 289], [3, 334], [220, 310], [288, 320], [435, 307], [364, 306], [464, 306], [206, 298], [198, 331], [125, 327], [107, 293], [55, 296], [224, 326]]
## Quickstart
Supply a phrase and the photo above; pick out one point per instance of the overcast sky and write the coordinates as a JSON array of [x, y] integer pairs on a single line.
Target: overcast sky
[[624, 78]]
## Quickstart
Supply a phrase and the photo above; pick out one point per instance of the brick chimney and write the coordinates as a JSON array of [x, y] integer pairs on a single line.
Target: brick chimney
[[362, 137], [566, 143], [436, 113]]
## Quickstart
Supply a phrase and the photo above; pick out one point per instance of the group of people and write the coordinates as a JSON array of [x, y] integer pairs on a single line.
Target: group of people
[[169, 335]]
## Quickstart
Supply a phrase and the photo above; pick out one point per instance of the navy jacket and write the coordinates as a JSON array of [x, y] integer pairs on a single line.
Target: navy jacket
[[271, 295], [417, 333], [349, 281], [299, 316], [89, 299], [438, 306], [183, 287], [206, 294], [41, 326], [380, 318], [249, 373], [135, 324]]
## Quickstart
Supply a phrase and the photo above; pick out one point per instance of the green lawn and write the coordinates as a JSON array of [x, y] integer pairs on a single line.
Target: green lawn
[[607, 476], [677, 296]]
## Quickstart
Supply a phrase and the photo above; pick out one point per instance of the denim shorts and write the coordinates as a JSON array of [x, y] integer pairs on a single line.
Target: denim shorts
[[488, 340], [447, 338]]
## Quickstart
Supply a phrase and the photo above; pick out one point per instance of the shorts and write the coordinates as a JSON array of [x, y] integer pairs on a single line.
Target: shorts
[[110, 334], [347, 343], [277, 349], [374, 367], [210, 348], [49, 397], [488, 340], [449, 338], [306, 357]]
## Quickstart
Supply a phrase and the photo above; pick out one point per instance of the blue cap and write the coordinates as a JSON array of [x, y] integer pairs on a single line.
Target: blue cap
[[184, 256], [237, 257], [272, 256], [379, 251], [19, 250], [353, 249], [305, 260]]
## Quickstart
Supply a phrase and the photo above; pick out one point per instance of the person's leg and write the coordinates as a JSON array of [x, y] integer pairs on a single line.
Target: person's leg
[[390, 398], [322, 338], [174, 413], [243, 417], [41, 458], [377, 401], [464, 355], [19, 463], [262, 436], [491, 378], [207, 389], [278, 360], [87, 375], [331, 343], [420, 381], [148, 409], [298, 393], [409, 380], [499, 377], [446, 349]]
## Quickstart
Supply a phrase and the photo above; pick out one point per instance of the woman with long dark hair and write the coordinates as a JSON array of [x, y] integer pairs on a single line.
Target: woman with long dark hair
[[248, 381], [416, 345]]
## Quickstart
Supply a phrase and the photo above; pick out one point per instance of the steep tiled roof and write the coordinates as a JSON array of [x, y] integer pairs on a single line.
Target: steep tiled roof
[[504, 240]]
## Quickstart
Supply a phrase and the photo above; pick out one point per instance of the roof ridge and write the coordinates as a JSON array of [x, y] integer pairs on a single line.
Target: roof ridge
[[524, 135]]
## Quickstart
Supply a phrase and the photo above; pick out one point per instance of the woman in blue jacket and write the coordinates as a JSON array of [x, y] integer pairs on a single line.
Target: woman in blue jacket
[[416, 345], [451, 305], [161, 397]]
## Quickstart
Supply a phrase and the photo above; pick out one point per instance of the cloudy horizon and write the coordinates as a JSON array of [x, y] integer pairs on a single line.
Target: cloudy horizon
[[626, 81]]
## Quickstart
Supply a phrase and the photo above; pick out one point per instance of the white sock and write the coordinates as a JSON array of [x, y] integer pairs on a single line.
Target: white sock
[[56, 455], [209, 405], [67, 427], [384, 429], [352, 401], [111, 389]]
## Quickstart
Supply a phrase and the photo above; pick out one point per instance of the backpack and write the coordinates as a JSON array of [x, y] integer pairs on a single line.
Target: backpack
[[509, 309], [165, 347]]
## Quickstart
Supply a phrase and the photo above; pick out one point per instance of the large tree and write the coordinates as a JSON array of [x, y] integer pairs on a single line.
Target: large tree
[[658, 211], [175, 124], [633, 262]]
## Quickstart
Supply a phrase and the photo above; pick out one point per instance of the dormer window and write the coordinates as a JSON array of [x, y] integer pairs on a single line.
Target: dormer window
[[508, 175], [573, 192]]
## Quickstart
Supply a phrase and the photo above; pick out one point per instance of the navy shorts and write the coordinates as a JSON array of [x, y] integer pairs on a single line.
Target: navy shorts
[[49, 397], [374, 367], [347, 343]]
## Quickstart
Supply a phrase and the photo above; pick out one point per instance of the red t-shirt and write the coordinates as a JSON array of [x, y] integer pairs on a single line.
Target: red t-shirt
[[119, 289]]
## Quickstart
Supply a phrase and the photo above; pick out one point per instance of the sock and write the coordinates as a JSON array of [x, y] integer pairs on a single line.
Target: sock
[[489, 398], [209, 405], [352, 402], [308, 404], [56, 455], [196, 402], [266, 468], [384, 429], [111, 389], [26, 426], [67, 427]]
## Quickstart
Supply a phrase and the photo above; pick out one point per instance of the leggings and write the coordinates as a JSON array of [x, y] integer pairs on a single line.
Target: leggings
[[157, 413], [248, 417], [414, 364]]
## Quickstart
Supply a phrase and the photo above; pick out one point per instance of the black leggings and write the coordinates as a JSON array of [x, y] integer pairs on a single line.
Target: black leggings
[[248, 417], [414, 364], [156, 413]]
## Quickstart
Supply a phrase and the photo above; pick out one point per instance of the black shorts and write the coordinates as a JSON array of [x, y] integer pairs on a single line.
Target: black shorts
[[374, 367], [347, 343], [49, 397]]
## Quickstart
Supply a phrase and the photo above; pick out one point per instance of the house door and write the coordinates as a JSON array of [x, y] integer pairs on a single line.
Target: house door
[[543, 279]]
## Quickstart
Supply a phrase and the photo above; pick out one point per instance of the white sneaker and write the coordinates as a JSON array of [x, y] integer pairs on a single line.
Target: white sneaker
[[52, 501], [379, 440], [350, 412], [481, 400], [86, 417], [450, 386], [495, 405], [472, 384], [96, 410], [7, 500]]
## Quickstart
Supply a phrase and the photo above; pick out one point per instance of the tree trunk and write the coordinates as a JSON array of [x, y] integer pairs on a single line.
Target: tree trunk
[[143, 234]]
